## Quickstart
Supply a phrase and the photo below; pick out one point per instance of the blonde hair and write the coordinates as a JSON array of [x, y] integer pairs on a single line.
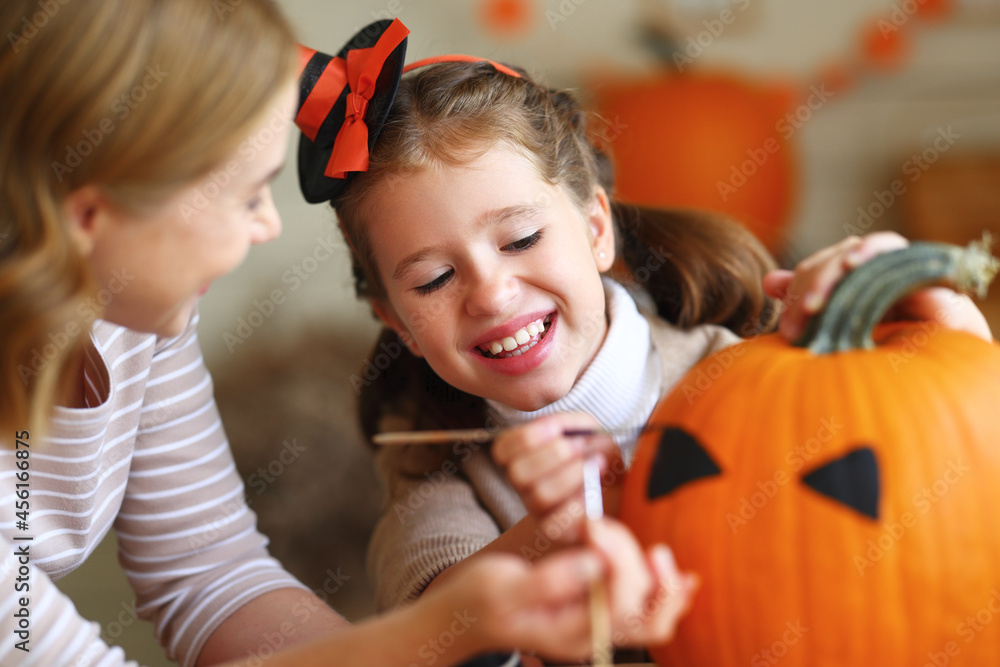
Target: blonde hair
[[708, 268], [136, 97]]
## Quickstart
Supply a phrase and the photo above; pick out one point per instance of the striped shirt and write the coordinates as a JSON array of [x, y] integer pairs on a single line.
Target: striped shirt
[[149, 458]]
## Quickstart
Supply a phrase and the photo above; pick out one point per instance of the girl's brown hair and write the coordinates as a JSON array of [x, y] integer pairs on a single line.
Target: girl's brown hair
[[698, 267], [137, 97]]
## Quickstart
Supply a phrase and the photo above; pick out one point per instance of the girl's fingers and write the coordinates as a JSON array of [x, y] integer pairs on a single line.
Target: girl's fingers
[[518, 441], [555, 490], [536, 463]]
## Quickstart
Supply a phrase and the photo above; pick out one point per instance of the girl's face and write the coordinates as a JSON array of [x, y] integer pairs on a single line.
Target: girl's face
[[493, 275], [152, 268]]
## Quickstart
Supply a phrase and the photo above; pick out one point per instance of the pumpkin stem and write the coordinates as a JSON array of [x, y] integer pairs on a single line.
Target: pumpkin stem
[[862, 298]]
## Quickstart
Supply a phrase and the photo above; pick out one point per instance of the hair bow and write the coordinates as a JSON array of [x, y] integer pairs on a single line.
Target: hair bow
[[344, 101]]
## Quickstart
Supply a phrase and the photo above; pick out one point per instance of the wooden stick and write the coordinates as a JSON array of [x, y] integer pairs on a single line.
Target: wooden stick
[[432, 437], [443, 437]]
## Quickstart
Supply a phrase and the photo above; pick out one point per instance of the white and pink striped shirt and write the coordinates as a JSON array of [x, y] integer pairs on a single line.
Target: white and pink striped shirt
[[150, 459]]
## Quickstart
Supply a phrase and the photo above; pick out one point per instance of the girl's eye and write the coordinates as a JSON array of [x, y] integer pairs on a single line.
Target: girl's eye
[[435, 284], [255, 203], [525, 243]]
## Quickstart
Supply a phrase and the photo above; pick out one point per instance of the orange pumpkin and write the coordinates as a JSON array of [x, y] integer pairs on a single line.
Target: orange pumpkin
[[703, 140], [839, 503]]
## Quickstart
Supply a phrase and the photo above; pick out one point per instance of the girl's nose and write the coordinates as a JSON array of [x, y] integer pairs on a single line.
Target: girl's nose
[[492, 290]]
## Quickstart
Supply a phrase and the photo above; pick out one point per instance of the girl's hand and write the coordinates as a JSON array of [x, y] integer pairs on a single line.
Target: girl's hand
[[805, 291], [545, 466]]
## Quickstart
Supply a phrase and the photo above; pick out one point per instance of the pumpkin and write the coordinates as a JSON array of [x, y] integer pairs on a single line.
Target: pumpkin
[[703, 140], [837, 497]]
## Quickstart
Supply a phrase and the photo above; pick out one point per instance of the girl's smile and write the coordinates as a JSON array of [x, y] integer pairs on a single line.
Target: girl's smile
[[493, 275], [521, 352], [515, 342]]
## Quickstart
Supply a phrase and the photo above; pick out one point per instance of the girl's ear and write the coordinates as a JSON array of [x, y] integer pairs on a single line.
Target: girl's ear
[[602, 229], [387, 314]]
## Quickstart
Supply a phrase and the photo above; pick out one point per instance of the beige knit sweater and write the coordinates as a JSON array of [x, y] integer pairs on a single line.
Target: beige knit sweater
[[443, 506]]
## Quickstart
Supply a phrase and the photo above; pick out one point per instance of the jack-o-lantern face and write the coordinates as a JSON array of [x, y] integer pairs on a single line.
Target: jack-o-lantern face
[[840, 509], [851, 480]]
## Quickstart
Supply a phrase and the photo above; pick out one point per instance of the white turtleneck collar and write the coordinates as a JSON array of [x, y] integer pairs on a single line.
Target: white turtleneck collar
[[621, 385]]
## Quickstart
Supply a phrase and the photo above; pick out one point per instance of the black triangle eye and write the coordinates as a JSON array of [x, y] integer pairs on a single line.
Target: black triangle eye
[[851, 480], [680, 459]]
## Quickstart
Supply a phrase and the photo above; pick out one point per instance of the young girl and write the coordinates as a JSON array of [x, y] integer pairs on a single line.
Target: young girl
[[137, 144], [485, 238]]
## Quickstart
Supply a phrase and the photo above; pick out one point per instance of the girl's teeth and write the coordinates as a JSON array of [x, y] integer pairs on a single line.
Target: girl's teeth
[[516, 343]]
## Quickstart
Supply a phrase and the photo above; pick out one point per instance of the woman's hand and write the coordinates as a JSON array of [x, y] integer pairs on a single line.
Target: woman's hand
[[806, 290], [545, 466], [505, 602]]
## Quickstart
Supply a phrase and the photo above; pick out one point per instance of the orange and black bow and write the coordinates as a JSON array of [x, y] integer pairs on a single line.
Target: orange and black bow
[[344, 101]]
